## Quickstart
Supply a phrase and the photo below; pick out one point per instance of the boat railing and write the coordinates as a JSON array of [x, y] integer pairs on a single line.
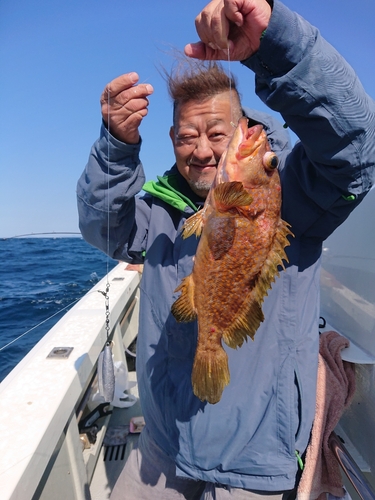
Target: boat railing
[[41, 453], [350, 468]]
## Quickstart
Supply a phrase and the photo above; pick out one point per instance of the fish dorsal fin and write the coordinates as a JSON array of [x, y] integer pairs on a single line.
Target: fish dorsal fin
[[183, 309], [193, 225], [250, 315], [229, 195]]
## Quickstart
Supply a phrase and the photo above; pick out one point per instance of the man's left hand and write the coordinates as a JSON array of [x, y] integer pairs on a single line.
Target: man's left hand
[[234, 24]]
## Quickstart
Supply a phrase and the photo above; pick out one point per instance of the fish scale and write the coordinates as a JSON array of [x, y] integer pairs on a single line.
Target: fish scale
[[242, 241]]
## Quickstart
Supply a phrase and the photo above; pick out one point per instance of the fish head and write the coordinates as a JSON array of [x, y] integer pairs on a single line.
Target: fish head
[[248, 158]]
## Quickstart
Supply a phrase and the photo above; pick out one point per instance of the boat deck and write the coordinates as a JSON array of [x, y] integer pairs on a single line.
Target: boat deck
[[112, 458]]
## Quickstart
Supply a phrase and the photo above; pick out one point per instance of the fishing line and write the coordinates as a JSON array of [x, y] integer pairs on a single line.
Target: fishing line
[[39, 324], [44, 321], [105, 367], [108, 154], [230, 89]]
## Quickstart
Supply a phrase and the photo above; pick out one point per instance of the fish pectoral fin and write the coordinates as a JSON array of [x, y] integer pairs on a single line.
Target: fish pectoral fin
[[193, 225], [221, 240], [183, 309], [210, 374], [229, 195]]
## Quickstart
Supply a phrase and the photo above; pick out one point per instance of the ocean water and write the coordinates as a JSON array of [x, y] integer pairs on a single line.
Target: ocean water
[[39, 277]]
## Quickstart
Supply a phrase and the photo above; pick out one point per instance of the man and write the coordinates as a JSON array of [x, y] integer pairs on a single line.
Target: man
[[248, 444]]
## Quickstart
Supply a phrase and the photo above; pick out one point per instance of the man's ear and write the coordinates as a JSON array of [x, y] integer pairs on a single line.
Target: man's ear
[[172, 134]]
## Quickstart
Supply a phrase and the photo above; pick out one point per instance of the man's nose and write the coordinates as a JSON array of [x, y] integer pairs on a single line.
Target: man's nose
[[203, 148]]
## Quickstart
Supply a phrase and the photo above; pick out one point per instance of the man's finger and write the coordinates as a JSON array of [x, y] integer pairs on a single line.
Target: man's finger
[[196, 50], [233, 12], [120, 84], [136, 105], [122, 98], [212, 26], [219, 30], [200, 50]]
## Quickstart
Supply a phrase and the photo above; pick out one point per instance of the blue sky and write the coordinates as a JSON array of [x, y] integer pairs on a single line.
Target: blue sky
[[55, 59]]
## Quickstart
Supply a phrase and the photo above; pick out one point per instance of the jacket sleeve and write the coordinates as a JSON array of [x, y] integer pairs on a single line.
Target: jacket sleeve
[[111, 217], [328, 172]]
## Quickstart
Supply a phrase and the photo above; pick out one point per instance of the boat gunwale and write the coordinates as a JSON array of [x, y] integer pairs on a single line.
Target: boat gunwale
[[39, 397]]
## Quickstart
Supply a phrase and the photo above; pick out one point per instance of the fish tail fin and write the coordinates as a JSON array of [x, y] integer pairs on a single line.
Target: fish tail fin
[[183, 309], [210, 374]]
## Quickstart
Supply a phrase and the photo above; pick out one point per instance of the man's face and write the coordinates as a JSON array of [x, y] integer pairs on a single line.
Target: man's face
[[201, 134]]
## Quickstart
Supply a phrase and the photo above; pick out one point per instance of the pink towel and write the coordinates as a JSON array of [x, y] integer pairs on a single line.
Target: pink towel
[[335, 391]]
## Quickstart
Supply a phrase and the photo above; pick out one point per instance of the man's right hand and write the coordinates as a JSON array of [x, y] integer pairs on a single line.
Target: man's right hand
[[124, 105]]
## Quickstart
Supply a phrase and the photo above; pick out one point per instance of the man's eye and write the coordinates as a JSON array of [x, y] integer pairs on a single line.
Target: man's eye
[[186, 139], [218, 136]]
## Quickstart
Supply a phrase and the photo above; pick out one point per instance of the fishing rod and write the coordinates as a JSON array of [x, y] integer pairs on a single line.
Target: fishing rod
[[39, 234]]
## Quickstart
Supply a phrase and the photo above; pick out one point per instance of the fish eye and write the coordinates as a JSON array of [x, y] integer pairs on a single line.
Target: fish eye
[[270, 160]]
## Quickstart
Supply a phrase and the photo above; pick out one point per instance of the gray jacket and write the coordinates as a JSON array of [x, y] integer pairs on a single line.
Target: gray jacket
[[250, 438]]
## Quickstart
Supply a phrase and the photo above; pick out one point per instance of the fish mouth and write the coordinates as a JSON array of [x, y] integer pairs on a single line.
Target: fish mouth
[[247, 132], [250, 139], [245, 142]]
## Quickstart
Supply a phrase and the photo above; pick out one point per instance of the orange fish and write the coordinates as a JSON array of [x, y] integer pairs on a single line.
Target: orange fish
[[241, 246]]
